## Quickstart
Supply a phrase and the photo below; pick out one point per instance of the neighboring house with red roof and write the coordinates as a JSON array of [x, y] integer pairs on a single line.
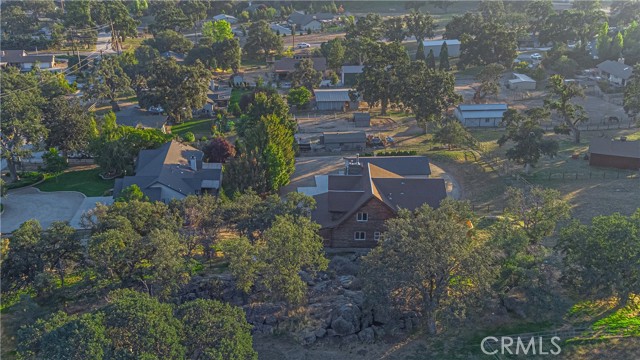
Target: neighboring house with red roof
[[353, 209]]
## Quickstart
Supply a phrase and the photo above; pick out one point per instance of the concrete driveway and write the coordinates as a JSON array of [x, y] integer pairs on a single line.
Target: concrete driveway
[[23, 204]]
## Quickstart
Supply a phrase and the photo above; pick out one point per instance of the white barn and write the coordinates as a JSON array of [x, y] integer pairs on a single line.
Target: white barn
[[480, 115], [453, 47], [521, 82]]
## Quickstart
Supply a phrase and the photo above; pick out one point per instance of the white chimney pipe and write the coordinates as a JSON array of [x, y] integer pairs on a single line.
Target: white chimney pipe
[[193, 163]]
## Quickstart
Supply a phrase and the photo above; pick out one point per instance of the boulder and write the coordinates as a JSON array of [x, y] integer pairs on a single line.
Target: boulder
[[320, 333], [378, 331], [342, 327], [366, 336], [346, 280], [351, 313]]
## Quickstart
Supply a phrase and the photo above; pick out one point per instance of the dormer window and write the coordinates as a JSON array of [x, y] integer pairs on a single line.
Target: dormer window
[[363, 217]]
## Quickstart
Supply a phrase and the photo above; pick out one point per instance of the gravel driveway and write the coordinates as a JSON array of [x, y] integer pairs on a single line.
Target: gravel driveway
[[23, 204]]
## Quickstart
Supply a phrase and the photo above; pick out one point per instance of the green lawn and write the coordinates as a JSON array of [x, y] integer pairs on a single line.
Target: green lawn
[[87, 182], [199, 127]]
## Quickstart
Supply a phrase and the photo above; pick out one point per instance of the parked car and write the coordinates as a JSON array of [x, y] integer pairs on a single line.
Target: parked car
[[390, 140], [303, 46], [285, 85], [156, 110], [536, 56]]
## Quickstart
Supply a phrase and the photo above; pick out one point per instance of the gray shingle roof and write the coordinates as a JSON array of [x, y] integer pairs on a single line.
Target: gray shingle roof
[[616, 69], [169, 166]]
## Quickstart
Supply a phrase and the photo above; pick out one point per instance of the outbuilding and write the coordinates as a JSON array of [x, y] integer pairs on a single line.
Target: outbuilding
[[350, 74], [480, 115], [521, 82], [334, 99], [346, 140], [362, 119], [453, 47], [618, 154]]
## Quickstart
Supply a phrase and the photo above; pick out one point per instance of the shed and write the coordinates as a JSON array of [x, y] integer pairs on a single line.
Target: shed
[[453, 47], [521, 82], [334, 99], [480, 115], [614, 153], [347, 140], [350, 74], [228, 18], [362, 119]]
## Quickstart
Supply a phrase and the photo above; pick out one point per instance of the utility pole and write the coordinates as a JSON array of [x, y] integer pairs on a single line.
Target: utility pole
[[293, 40]]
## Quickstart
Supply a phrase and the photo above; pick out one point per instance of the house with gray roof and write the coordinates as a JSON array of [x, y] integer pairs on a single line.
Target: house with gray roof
[[303, 21], [25, 61], [355, 204], [228, 18], [621, 154], [172, 171], [480, 115], [617, 72]]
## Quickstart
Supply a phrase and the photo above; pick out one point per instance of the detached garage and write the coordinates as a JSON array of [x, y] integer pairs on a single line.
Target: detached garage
[[480, 115], [614, 153]]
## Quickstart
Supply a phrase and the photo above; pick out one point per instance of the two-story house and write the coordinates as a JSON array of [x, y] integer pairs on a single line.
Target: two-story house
[[353, 210]]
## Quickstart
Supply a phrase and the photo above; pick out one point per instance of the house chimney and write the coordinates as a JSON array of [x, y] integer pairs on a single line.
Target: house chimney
[[212, 85], [358, 158], [193, 163]]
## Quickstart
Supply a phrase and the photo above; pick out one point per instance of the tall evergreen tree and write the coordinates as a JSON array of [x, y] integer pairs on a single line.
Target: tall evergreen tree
[[420, 51], [431, 60], [444, 57]]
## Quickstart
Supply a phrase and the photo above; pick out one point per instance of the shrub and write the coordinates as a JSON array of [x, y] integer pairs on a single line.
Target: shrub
[[189, 137]]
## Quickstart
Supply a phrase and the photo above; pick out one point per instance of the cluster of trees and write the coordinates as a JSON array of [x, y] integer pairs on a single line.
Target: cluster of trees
[[623, 43], [265, 149], [134, 325], [218, 48], [262, 42], [115, 147], [34, 109]]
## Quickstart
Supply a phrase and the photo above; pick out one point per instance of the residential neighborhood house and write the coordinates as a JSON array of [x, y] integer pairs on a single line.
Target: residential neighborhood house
[[228, 18], [25, 61], [620, 154], [616, 72], [480, 115], [284, 67], [353, 209], [311, 22], [173, 171]]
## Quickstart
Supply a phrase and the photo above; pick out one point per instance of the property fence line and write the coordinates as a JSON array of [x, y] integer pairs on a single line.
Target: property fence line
[[597, 127]]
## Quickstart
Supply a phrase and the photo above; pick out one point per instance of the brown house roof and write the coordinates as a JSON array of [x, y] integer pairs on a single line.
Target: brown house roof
[[286, 65], [630, 149], [348, 193]]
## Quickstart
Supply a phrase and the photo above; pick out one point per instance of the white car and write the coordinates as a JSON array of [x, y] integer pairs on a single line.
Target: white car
[[536, 56], [303, 46]]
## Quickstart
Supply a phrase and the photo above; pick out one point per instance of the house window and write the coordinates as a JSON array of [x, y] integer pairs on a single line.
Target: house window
[[487, 120], [363, 217], [377, 236], [359, 235]]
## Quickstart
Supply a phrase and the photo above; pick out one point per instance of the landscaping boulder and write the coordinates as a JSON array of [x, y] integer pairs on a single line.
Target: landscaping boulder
[[366, 336]]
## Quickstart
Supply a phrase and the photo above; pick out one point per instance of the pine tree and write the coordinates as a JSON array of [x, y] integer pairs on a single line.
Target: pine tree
[[444, 57], [420, 51], [617, 44], [431, 60]]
